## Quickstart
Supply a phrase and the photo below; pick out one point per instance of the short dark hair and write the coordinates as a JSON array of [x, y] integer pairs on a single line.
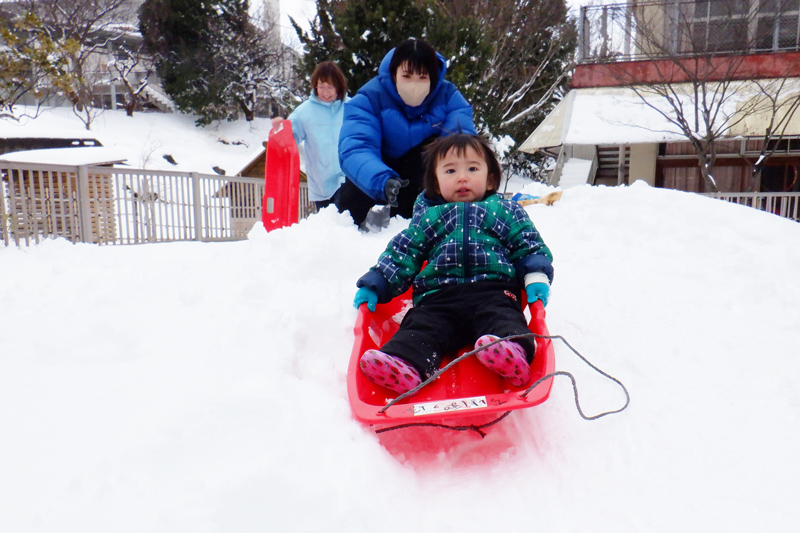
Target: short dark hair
[[329, 72], [420, 57], [460, 142]]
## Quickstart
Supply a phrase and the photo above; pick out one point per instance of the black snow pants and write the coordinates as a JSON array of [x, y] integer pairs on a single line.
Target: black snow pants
[[457, 316]]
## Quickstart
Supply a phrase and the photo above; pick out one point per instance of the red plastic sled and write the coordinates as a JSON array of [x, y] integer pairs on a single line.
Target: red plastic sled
[[281, 179], [466, 390]]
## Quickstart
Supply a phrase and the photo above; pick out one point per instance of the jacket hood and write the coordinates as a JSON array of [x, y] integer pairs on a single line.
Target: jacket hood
[[385, 78]]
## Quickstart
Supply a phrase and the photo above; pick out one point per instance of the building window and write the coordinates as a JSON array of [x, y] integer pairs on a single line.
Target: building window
[[719, 25], [777, 25]]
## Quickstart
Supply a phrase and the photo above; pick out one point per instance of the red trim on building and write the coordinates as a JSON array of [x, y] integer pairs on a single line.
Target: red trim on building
[[620, 74]]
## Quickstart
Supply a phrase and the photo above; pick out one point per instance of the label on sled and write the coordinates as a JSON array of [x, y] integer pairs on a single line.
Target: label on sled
[[460, 404], [281, 179]]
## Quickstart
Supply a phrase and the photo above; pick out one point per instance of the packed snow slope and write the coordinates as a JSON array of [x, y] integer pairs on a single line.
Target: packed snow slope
[[193, 387]]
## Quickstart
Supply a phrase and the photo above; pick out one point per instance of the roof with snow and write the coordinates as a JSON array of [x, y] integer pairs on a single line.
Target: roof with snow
[[87, 155], [618, 115]]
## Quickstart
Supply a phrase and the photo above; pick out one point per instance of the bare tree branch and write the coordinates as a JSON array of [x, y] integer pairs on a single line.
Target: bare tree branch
[[695, 52]]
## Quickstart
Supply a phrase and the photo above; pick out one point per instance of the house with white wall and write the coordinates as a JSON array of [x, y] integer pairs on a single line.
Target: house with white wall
[[633, 56]]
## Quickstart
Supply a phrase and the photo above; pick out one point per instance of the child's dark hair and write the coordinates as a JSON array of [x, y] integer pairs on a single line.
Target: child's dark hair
[[459, 142], [329, 72], [420, 57]]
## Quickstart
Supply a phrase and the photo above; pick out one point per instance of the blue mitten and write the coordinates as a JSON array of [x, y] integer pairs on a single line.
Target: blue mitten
[[392, 189], [365, 295], [538, 291]]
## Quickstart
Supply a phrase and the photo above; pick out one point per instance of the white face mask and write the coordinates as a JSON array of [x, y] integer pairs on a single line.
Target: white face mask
[[413, 92]]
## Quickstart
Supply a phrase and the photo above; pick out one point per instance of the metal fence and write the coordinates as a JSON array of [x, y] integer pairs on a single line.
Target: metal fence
[[784, 204], [107, 205], [647, 30]]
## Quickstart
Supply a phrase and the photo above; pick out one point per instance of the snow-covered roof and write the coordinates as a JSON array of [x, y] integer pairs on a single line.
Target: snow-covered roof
[[9, 130], [249, 160], [87, 155], [600, 116], [618, 115]]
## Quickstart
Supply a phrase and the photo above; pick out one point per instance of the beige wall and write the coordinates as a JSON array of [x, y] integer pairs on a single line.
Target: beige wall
[[651, 22], [643, 163]]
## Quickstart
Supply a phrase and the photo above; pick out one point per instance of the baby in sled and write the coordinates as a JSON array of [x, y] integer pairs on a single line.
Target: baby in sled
[[467, 253]]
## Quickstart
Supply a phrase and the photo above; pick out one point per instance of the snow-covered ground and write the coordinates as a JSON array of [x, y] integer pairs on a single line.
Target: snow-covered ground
[[194, 387]]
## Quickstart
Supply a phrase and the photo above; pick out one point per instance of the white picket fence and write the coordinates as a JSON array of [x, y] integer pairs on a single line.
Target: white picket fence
[[783, 204], [107, 205]]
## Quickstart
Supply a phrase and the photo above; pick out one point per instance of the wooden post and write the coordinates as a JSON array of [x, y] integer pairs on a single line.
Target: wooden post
[[198, 208], [84, 205]]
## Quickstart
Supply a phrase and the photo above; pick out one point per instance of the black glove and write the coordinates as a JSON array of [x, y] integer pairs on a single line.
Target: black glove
[[392, 189]]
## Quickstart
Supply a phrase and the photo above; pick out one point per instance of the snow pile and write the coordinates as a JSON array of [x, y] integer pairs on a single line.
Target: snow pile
[[201, 387]]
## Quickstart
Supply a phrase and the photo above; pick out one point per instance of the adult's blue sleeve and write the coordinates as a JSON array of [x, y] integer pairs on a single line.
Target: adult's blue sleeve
[[459, 116], [360, 148]]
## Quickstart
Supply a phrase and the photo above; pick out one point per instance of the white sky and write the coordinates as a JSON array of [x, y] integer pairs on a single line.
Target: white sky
[[302, 11]]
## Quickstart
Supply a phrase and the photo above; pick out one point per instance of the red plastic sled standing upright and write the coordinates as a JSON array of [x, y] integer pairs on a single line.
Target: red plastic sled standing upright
[[466, 390], [282, 179]]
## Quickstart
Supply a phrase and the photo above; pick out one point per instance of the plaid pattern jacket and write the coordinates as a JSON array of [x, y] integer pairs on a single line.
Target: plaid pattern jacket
[[462, 242]]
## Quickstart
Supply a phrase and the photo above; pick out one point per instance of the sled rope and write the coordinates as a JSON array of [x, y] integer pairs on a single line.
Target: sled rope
[[527, 391], [471, 427], [575, 383]]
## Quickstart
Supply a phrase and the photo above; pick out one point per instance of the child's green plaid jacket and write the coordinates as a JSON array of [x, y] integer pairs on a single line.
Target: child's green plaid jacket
[[462, 242]]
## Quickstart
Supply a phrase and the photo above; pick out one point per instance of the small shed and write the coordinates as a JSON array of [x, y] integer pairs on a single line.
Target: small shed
[[45, 189], [240, 198], [256, 165]]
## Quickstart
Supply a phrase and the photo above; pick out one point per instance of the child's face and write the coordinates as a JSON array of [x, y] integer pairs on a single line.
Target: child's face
[[462, 177]]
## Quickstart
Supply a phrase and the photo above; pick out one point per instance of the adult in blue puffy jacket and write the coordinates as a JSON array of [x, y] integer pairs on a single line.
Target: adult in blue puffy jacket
[[388, 123], [317, 122]]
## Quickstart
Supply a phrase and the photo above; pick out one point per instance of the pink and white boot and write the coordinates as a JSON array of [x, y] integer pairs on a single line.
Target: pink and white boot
[[506, 358], [389, 371]]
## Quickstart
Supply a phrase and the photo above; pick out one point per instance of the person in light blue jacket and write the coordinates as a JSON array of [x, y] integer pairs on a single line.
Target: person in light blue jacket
[[317, 122], [389, 122]]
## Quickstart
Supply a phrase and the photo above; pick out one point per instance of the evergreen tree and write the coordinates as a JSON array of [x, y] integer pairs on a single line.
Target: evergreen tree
[[211, 58], [532, 47], [174, 32], [532, 52], [509, 58], [357, 34]]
